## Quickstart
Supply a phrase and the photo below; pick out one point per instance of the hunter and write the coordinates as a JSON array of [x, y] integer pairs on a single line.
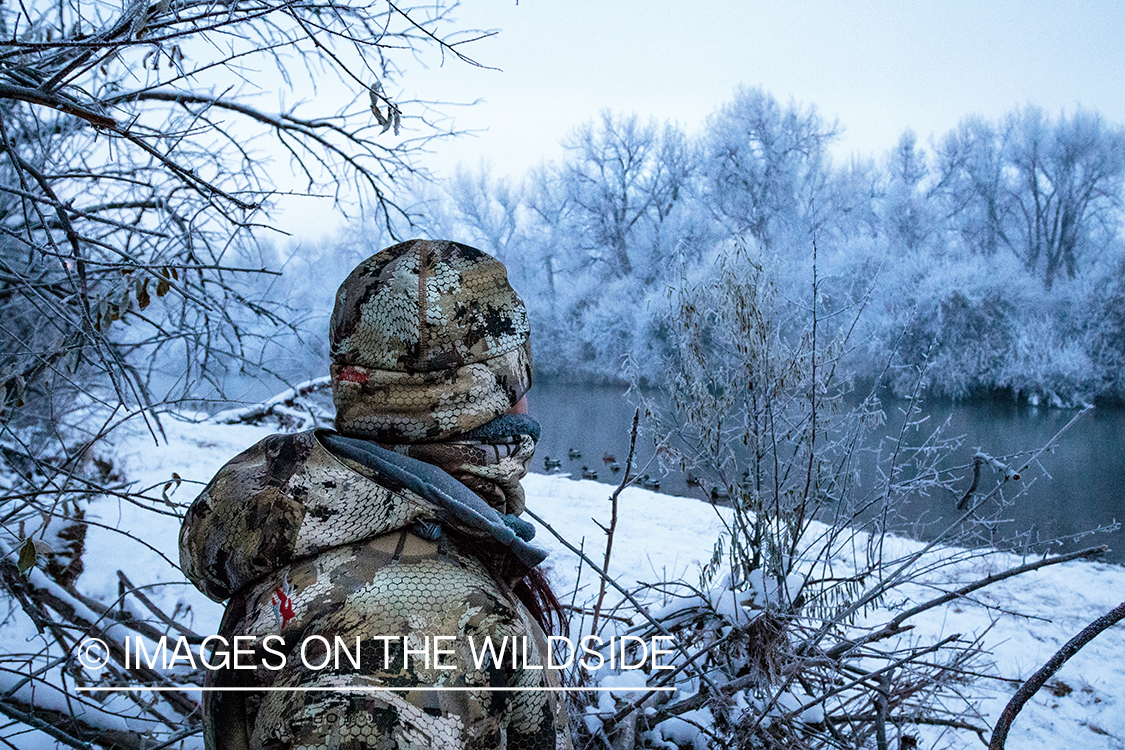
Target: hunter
[[399, 532]]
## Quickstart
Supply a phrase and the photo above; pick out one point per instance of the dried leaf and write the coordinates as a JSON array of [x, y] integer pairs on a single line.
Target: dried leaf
[[171, 487], [143, 299], [162, 287], [375, 92], [27, 557]]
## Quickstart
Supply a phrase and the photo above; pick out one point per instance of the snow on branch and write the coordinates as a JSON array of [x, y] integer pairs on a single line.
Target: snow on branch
[[284, 403]]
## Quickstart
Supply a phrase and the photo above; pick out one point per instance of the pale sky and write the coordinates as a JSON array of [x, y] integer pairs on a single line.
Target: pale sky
[[878, 66]]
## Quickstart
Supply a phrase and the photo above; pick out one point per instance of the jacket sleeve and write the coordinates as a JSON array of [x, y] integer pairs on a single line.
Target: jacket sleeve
[[244, 524]]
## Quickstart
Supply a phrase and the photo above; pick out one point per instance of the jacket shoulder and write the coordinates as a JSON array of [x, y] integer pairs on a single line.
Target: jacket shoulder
[[245, 519], [284, 499]]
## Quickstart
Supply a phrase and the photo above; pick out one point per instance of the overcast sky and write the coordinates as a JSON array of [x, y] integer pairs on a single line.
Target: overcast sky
[[879, 66]]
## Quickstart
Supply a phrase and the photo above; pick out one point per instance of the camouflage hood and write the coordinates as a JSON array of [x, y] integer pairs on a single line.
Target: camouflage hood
[[428, 340]]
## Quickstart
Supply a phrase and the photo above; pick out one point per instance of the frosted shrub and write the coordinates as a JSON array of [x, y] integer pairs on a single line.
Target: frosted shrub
[[797, 633], [960, 342], [1046, 366], [1103, 332], [973, 329]]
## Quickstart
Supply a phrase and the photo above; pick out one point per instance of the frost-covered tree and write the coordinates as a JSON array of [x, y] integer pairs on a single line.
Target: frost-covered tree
[[489, 209], [1067, 188], [620, 179], [766, 168], [909, 216], [973, 185], [1051, 192]]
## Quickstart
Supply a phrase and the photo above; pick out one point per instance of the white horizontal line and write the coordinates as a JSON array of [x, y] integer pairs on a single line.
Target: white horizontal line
[[358, 689]]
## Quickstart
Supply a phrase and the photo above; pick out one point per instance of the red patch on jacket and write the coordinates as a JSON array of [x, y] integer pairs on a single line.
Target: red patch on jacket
[[352, 375], [283, 605]]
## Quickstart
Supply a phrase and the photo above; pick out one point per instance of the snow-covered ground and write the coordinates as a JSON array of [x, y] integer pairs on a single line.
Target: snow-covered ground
[[663, 537], [1022, 621]]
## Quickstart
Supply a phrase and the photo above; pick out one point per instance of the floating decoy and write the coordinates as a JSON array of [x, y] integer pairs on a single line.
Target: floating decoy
[[587, 474], [692, 480], [615, 467], [609, 458], [648, 483], [719, 493], [550, 464], [574, 453]]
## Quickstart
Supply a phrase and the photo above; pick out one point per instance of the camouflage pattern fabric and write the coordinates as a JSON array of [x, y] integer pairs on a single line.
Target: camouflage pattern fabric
[[492, 467], [307, 544], [427, 340]]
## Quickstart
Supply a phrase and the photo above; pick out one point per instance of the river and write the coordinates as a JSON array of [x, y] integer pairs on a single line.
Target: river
[[1081, 485]]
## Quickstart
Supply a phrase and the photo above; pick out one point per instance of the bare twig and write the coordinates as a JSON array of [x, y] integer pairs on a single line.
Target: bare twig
[[190, 635], [895, 626], [1044, 673], [613, 520], [642, 610]]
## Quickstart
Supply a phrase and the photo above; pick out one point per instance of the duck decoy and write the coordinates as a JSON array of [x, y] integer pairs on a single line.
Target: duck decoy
[[609, 458], [719, 493], [574, 453], [587, 474], [649, 483], [551, 464], [615, 467], [692, 480]]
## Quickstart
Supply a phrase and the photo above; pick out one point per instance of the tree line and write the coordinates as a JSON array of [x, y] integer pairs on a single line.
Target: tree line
[[989, 260]]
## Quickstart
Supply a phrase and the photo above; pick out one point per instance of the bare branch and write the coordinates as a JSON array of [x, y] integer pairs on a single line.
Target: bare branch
[[1054, 664]]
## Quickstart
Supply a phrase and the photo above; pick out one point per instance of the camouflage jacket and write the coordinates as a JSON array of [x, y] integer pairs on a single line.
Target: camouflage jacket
[[323, 553]]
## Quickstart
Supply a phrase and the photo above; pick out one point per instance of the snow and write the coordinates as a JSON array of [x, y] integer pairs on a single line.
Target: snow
[[681, 731], [1021, 621]]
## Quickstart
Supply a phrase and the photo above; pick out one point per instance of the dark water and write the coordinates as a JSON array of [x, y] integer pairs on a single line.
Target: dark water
[[1085, 487]]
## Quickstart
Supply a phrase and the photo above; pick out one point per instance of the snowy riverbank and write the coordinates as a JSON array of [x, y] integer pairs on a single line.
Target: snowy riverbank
[[1022, 622]]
